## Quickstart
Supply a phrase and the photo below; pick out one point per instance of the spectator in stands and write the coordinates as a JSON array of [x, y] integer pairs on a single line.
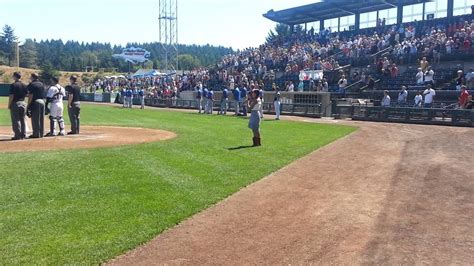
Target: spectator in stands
[[402, 96], [424, 64], [449, 45], [301, 86], [463, 97], [394, 71], [324, 85], [459, 80], [420, 77], [370, 83], [385, 64], [469, 103], [429, 94], [470, 79], [342, 84], [312, 85], [429, 75], [418, 99], [290, 87], [386, 99]]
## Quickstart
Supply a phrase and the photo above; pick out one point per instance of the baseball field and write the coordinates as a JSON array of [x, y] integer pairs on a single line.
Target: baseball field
[[67, 203]]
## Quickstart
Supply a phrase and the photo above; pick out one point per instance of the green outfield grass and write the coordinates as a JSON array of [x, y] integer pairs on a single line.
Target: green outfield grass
[[87, 206]]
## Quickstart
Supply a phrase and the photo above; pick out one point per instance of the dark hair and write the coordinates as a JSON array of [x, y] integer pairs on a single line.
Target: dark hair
[[55, 79], [257, 93], [73, 78], [34, 76], [17, 75]]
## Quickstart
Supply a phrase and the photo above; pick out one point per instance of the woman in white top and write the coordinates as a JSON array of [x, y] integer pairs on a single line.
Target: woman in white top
[[386, 99], [255, 105]]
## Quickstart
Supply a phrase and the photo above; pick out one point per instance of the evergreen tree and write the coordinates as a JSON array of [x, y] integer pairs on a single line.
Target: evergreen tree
[[47, 74], [7, 43], [188, 62], [28, 54], [281, 31], [75, 56]]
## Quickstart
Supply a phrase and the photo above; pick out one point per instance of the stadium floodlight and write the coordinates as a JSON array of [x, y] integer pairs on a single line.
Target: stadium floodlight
[[168, 24]]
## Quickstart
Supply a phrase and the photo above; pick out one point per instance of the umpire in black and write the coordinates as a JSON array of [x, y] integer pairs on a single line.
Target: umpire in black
[[36, 106], [74, 105], [17, 106]]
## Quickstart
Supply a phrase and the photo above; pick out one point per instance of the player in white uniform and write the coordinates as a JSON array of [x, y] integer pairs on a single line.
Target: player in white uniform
[[55, 96]]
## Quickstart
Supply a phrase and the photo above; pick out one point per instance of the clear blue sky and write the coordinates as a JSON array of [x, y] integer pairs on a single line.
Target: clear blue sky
[[235, 23]]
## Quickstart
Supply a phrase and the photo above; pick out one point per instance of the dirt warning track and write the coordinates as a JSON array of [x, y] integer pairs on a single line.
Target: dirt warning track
[[387, 194]]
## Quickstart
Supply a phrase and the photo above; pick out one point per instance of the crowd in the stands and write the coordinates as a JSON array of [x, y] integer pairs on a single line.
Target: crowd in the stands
[[310, 50]]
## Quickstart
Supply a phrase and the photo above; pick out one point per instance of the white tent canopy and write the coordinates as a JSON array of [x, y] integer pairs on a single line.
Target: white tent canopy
[[147, 73]]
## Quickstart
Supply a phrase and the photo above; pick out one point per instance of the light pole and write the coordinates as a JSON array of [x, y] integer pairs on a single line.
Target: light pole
[[17, 55]]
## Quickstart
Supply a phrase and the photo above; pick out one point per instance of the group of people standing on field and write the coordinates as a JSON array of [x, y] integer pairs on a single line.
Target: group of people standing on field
[[128, 94], [36, 107], [246, 101]]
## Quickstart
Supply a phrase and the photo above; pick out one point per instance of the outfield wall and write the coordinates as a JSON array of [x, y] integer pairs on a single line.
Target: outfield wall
[[4, 89]]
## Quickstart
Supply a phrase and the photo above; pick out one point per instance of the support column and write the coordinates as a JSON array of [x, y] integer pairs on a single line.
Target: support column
[[321, 24], [424, 11], [399, 13], [292, 28], [339, 24], [377, 20], [357, 21], [450, 10]]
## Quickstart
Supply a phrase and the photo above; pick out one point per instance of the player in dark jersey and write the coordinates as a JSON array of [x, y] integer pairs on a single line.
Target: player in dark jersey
[[17, 106], [74, 105]]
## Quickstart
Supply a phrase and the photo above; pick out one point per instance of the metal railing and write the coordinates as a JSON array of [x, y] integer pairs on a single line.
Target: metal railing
[[307, 110], [412, 115]]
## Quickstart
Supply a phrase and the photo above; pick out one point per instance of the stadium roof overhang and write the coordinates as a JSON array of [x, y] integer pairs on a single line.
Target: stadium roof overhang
[[333, 9]]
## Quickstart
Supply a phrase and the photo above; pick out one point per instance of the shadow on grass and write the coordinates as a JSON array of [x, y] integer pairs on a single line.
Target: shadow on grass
[[241, 147]]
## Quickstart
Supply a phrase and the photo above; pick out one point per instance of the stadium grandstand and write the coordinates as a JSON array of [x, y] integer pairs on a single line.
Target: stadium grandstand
[[364, 48]]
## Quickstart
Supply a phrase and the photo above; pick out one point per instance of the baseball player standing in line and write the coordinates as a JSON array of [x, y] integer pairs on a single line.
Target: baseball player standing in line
[[277, 104], [141, 94], [260, 91], [199, 96], [129, 97], [134, 95], [123, 96], [36, 106], [17, 106], [243, 99], [224, 100], [210, 102], [74, 105], [55, 96], [237, 99], [205, 91]]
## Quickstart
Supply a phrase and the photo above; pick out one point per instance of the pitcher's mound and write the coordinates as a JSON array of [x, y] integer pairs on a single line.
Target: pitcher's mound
[[90, 137]]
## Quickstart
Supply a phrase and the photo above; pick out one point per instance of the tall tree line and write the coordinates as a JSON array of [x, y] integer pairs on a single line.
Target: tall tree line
[[76, 56]]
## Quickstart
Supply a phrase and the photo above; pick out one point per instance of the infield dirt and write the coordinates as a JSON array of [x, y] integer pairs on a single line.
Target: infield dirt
[[90, 137], [387, 194]]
